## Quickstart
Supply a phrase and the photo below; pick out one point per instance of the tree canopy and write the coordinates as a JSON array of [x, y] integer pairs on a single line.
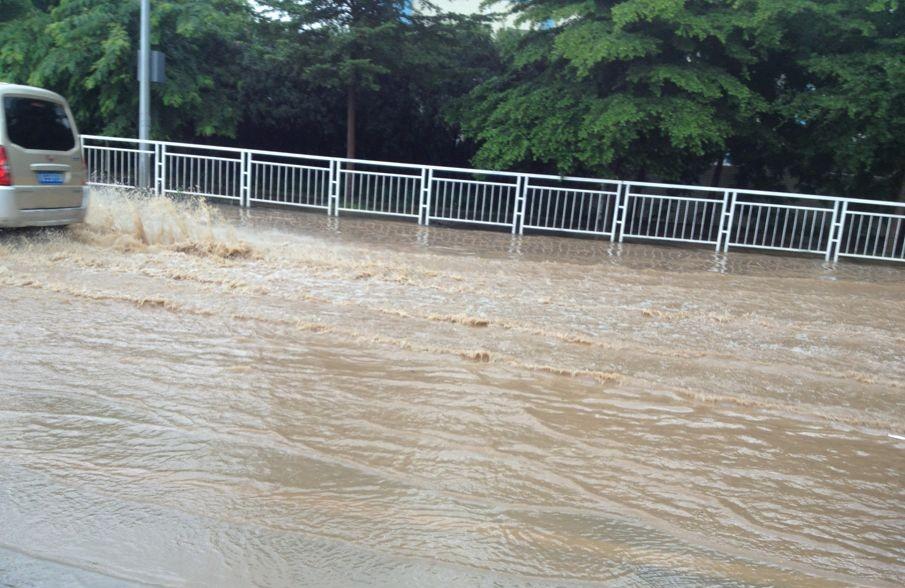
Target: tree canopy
[[637, 87], [390, 65], [787, 89], [86, 50], [804, 94], [836, 83]]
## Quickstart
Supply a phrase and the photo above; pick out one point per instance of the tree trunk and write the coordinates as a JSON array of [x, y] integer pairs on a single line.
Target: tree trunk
[[717, 178], [902, 188], [351, 108], [896, 225], [901, 209]]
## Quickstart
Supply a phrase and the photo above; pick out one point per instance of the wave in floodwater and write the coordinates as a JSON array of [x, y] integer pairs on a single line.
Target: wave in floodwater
[[197, 393], [131, 221]]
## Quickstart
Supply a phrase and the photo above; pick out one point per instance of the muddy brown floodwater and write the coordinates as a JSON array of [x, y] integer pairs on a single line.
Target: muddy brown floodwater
[[195, 395]]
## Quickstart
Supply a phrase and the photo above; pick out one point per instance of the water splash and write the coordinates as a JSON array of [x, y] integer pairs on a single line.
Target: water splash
[[131, 221]]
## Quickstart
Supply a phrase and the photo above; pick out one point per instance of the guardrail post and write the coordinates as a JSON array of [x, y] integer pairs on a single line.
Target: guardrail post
[[86, 157], [143, 182], [160, 168], [518, 216], [245, 195], [424, 210], [621, 212], [730, 218], [727, 212], [614, 224], [840, 215], [333, 202], [831, 242]]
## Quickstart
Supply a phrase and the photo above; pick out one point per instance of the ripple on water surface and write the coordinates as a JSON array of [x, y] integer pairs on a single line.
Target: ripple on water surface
[[202, 395]]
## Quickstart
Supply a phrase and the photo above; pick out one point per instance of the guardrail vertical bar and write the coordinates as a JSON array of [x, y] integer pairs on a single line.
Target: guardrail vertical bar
[[333, 206], [729, 220], [833, 240], [152, 172], [160, 169], [839, 227], [722, 241], [245, 196], [521, 196], [427, 178], [614, 224], [622, 210], [85, 159]]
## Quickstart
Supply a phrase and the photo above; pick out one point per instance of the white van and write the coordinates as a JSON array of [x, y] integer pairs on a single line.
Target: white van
[[42, 174]]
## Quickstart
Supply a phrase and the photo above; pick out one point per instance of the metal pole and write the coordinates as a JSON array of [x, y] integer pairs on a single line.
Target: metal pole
[[333, 208], [245, 193], [843, 217], [834, 224], [144, 87], [730, 218], [622, 210], [518, 215], [722, 239], [424, 212]]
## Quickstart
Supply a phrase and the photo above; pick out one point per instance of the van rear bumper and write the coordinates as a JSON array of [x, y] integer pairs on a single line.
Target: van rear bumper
[[13, 216]]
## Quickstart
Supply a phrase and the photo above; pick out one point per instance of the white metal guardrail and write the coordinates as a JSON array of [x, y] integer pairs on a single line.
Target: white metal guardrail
[[723, 218]]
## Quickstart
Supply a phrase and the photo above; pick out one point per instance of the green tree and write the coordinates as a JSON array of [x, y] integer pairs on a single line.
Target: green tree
[[86, 50], [442, 58], [349, 44], [629, 87], [385, 69], [799, 92], [834, 77], [12, 9]]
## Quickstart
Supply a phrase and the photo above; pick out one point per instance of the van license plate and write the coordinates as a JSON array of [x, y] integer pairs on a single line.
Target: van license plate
[[50, 178]]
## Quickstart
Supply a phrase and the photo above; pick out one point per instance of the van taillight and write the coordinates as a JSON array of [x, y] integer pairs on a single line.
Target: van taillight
[[6, 178]]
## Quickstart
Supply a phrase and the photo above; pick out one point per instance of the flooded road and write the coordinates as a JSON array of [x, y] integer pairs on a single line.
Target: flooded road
[[225, 397]]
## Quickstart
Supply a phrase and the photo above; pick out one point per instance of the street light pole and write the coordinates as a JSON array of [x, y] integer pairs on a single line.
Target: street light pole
[[144, 87]]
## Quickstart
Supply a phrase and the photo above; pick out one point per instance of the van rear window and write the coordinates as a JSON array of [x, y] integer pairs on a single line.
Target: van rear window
[[33, 123]]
